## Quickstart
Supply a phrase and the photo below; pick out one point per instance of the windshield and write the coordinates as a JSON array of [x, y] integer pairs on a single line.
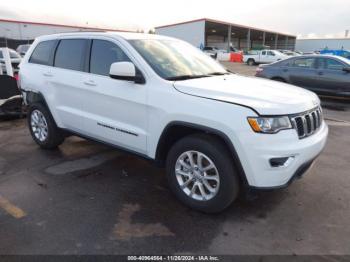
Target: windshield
[[176, 60]]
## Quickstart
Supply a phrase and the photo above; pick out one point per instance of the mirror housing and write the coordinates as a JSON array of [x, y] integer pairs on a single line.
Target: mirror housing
[[346, 69], [126, 71]]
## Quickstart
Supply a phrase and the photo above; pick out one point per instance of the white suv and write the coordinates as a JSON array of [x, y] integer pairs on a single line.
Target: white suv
[[164, 100]]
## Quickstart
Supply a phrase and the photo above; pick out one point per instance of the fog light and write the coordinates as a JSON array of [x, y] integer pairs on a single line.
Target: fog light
[[281, 161]]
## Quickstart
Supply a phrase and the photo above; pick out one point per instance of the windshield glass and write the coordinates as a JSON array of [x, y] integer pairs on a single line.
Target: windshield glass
[[176, 60]]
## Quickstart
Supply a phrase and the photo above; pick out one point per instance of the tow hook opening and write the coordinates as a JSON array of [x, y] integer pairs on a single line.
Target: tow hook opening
[[281, 161]]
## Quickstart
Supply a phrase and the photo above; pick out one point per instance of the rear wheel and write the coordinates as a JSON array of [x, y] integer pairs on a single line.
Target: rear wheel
[[201, 173], [251, 62], [43, 128]]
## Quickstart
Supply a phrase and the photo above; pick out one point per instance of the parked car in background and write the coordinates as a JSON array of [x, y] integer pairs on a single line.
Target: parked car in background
[[337, 52], [325, 75], [254, 57], [15, 60], [211, 51], [10, 97], [22, 49], [289, 52]]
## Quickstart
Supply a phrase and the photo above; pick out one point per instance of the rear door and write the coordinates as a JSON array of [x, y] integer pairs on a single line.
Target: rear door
[[116, 110], [66, 82], [36, 74], [270, 57], [332, 79], [302, 72]]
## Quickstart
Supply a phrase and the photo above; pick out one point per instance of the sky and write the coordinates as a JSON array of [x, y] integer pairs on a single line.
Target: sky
[[306, 19]]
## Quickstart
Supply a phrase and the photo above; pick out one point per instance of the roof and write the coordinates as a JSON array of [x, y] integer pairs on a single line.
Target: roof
[[124, 35], [224, 23], [326, 39], [60, 25]]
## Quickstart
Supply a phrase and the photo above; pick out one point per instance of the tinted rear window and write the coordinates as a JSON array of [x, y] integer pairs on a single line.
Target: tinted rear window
[[43, 53], [70, 54], [103, 54]]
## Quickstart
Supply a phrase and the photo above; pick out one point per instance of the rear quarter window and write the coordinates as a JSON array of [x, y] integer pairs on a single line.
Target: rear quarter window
[[43, 53]]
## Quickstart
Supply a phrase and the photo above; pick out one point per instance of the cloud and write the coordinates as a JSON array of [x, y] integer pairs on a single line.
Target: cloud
[[299, 17]]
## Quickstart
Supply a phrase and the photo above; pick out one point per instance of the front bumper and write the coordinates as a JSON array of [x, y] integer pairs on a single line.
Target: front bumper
[[259, 149]]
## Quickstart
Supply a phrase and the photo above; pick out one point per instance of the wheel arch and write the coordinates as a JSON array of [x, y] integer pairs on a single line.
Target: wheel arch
[[33, 97], [279, 78], [176, 130]]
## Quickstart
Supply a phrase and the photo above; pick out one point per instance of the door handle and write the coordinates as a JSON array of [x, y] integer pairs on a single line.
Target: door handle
[[90, 83], [48, 74], [320, 73], [285, 70]]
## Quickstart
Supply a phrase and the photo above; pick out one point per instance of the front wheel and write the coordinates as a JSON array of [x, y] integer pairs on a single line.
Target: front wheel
[[251, 62], [201, 173]]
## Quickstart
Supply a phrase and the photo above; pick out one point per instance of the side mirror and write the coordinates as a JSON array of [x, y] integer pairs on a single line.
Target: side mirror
[[346, 69], [126, 71]]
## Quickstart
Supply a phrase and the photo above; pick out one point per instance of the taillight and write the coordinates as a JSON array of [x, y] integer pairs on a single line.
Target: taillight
[[259, 69]]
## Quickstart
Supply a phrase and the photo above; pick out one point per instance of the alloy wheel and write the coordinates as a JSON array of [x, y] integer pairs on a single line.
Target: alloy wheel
[[197, 175]]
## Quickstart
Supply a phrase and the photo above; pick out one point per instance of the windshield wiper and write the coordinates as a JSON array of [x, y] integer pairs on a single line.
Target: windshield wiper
[[185, 77], [219, 73]]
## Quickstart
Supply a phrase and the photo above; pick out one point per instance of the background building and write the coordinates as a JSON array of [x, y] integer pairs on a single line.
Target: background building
[[209, 32], [310, 45], [13, 33]]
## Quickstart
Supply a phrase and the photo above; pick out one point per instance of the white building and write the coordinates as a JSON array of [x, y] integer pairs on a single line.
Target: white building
[[210, 32], [310, 45], [14, 32]]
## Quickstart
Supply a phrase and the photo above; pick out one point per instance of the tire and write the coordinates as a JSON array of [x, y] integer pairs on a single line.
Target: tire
[[43, 128], [279, 79], [213, 149], [251, 62]]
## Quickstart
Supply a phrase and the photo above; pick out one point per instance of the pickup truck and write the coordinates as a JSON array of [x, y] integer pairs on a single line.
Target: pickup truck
[[263, 57]]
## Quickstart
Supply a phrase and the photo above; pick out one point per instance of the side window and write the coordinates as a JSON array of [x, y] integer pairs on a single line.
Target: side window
[[304, 62], [70, 54], [43, 53], [103, 54], [1, 56], [270, 53], [332, 64], [263, 53], [284, 62]]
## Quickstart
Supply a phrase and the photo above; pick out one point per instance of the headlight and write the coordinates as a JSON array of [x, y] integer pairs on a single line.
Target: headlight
[[269, 125]]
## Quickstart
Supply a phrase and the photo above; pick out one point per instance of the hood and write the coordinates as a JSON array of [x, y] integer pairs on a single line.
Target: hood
[[267, 97]]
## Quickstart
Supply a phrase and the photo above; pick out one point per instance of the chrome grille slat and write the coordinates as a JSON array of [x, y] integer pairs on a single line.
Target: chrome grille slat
[[308, 123]]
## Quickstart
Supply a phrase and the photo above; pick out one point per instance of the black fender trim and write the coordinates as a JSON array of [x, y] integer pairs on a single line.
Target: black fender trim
[[31, 97], [207, 130]]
